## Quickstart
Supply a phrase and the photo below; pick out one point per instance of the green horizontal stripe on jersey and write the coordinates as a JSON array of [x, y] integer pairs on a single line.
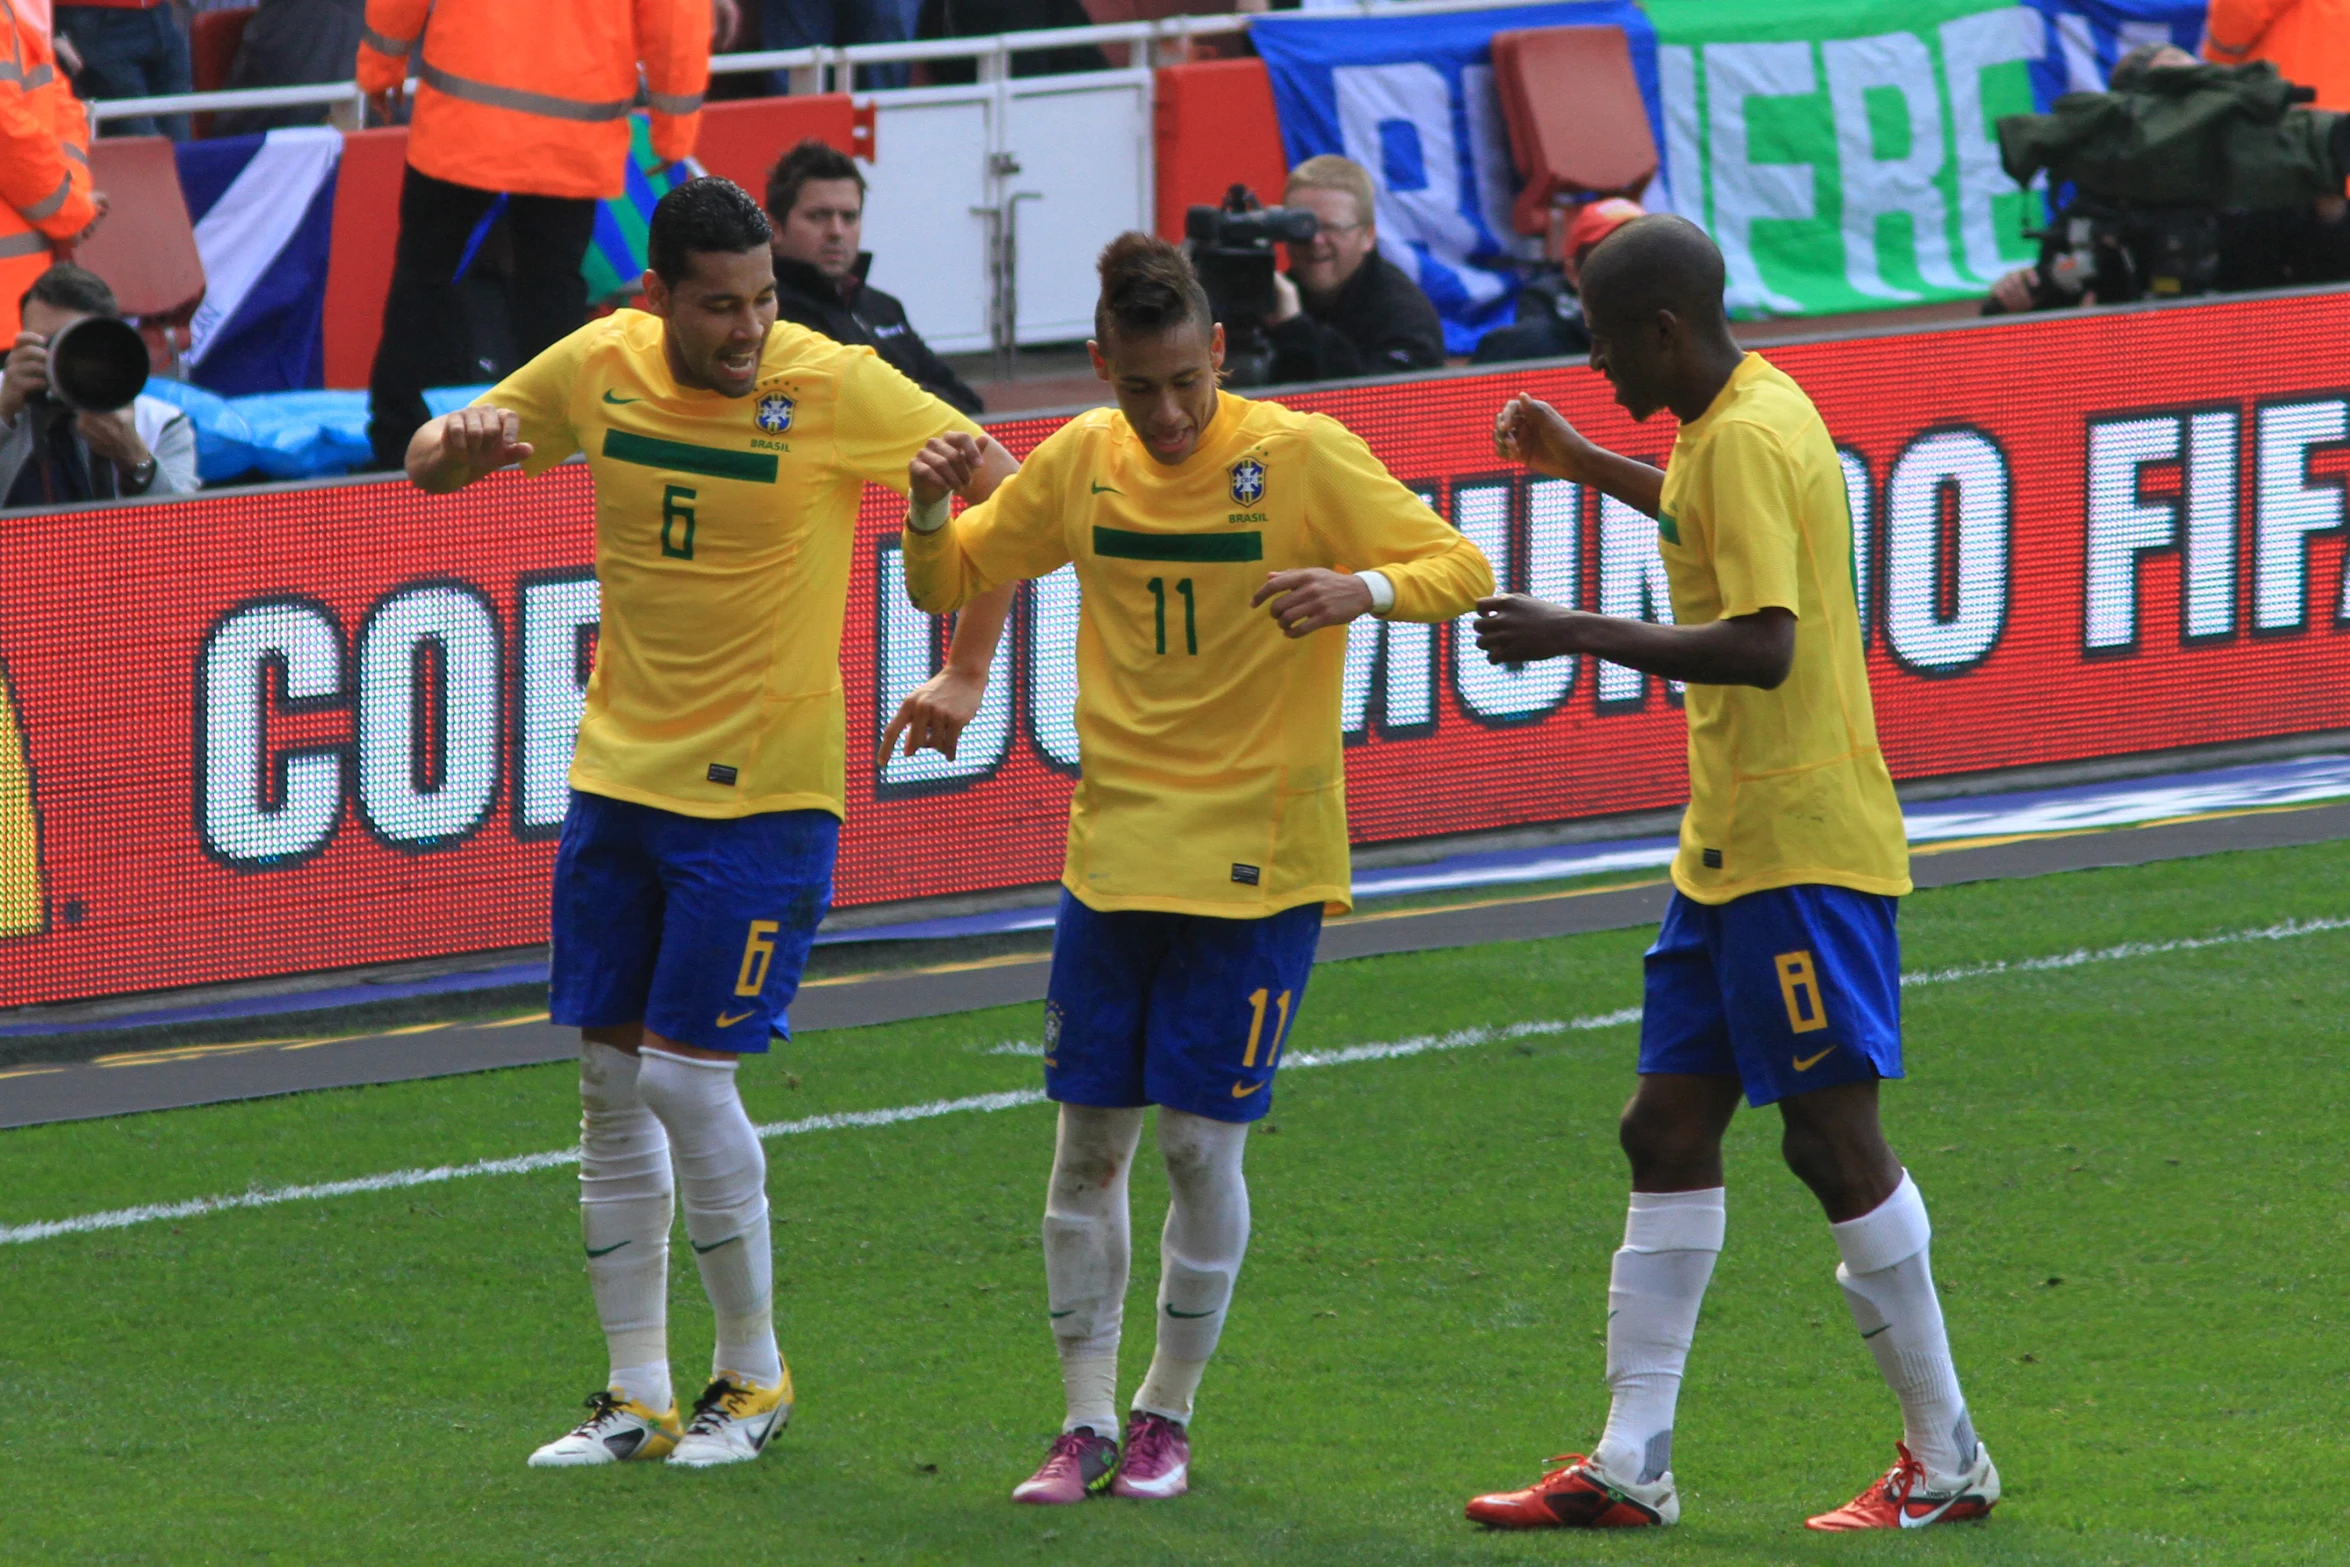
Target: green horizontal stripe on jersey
[[684, 457], [1120, 544]]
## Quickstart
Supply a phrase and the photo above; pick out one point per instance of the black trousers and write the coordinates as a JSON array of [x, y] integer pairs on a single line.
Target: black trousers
[[426, 341]]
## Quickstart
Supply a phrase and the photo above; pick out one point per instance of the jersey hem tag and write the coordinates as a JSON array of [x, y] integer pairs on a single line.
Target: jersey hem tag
[[1246, 875], [720, 773]]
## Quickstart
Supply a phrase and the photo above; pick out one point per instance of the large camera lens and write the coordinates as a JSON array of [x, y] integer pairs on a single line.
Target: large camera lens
[[97, 365]]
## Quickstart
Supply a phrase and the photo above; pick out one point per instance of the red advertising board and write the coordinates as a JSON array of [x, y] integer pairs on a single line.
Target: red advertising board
[[268, 733]]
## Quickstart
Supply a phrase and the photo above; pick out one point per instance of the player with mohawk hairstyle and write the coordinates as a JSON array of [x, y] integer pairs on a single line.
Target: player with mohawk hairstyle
[[1208, 835]]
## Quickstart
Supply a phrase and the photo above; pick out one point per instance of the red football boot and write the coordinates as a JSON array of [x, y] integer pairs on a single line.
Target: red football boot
[[1580, 1495], [1906, 1499]]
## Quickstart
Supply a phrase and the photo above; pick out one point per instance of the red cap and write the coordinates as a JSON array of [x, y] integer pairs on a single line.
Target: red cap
[[1598, 220]]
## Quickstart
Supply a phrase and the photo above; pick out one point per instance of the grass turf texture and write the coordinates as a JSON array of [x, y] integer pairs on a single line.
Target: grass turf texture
[[358, 1380]]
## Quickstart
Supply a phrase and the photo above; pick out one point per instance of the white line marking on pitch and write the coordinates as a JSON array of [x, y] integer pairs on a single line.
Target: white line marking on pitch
[[1345, 1055]]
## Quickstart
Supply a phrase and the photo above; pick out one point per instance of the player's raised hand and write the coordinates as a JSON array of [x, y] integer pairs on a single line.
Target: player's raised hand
[[1307, 600], [1530, 431], [1516, 628], [482, 440], [945, 465], [932, 717]]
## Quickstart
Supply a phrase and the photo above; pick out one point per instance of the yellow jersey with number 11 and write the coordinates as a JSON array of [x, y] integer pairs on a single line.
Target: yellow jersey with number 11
[[1211, 756], [724, 532], [1786, 786]]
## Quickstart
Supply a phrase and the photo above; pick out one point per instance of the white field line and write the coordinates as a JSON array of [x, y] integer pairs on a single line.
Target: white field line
[[1348, 1055]]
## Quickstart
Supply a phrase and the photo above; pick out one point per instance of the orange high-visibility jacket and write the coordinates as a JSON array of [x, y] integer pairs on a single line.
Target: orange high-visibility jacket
[[534, 98], [2308, 41], [44, 162]]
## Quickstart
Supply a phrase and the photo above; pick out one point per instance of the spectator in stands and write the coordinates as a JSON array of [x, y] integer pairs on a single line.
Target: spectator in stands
[[45, 197], [816, 200], [51, 455], [129, 49], [2308, 41], [1343, 309], [806, 24], [983, 18], [1549, 323], [291, 43], [523, 107]]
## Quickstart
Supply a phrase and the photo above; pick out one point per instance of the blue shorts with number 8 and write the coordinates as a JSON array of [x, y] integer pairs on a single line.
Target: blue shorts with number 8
[[697, 927], [1789, 990], [1183, 1010]]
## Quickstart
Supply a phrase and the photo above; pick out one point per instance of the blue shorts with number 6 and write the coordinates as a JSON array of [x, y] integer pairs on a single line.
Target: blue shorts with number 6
[[1183, 1010], [1789, 990], [697, 927]]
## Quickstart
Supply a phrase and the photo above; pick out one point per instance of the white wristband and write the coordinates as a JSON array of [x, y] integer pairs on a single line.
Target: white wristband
[[929, 516], [1382, 590]]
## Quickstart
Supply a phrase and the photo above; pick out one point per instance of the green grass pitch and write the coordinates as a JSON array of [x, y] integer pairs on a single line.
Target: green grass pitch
[[2134, 1165]]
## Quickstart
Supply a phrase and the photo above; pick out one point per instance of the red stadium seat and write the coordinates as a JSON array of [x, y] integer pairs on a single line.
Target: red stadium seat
[[146, 247], [1577, 126], [213, 41]]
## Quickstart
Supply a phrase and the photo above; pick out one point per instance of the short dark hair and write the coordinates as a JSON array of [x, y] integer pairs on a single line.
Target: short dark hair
[[1148, 287], [68, 287], [1658, 262], [705, 214], [813, 159]]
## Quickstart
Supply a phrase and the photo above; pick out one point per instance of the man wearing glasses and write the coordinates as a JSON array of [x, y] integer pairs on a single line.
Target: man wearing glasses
[[1343, 309]]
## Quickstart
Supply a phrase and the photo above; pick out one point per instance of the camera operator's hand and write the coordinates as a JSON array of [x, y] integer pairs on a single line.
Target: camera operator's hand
[[1286, 304], [26, 376], [113, 436], [1530, 431], [2013, 292]]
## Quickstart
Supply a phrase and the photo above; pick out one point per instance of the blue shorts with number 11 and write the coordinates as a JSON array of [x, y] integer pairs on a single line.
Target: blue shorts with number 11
[[1789, 990], [1188, 1011]]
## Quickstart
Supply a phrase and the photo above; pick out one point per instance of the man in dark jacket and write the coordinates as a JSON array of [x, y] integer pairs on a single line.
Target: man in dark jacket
[[816, 199], [1343, 309]]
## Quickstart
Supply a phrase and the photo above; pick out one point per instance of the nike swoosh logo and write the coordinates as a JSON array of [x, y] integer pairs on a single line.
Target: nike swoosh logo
[[605, 1251], [1107, 489], [1873, 1332], [1058, 1315], [728, 1022], [608, 397], [1172, 1312], [1239, 1092], [1805, 1064], [699, 1248]]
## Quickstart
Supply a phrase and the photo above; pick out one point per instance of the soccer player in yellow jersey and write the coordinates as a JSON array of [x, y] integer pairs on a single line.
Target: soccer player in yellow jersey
[[1777, 968], [1208, 834], [729, 453]]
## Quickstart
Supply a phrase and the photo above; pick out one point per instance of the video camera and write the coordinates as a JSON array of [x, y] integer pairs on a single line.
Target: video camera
[[1232, 251]]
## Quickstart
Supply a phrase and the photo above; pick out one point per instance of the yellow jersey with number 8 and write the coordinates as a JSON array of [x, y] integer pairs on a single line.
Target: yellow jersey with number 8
[[725, 528], [1786, 786], [1211, 757]]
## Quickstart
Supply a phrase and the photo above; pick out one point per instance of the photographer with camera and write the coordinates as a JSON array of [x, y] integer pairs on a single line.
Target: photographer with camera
[[73, 424], [1343, 309]]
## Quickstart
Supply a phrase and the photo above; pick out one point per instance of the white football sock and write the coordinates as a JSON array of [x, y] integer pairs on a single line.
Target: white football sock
[[1087, 1249], [625, 1210], [1888, 1282], [1199, 1254], [1654, 1289], [722, 1174]]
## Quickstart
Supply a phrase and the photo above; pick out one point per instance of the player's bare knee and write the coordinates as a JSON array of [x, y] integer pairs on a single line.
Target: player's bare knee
[[1666, 1150]]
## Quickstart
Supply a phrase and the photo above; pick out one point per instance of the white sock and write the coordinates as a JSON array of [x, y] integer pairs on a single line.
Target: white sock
[[1654, 1289], [1889, 1284], [625, 1210], [1199, 1254], [722, 1174], [1087, 1250]]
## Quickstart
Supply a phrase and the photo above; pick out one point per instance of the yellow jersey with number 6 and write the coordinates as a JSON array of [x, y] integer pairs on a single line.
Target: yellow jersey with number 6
[[1210, 749], [725, 527]]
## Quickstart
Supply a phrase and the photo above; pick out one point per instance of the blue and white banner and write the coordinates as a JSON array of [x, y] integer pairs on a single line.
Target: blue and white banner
[[2087, 36], [1411, 99], [264, 210]]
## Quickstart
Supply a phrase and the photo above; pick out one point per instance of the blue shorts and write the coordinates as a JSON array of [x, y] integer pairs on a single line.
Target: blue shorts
[[697, 928], [1789, 990], [1183, 1010]]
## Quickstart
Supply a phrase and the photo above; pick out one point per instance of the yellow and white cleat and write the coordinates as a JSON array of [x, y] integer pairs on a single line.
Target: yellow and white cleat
[[733, 1420], [616, 1430]]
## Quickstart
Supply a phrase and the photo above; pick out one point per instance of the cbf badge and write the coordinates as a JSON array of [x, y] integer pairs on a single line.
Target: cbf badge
[[775, 413], [1248, 481]]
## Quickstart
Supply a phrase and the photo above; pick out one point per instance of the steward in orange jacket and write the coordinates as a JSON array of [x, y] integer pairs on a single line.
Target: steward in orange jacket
[[45, 199], [522, 106], [535, 98], [2308, 41]]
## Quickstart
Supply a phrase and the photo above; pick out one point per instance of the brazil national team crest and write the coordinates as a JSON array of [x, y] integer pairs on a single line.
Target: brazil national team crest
[[1248, 481], [775, 413]]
